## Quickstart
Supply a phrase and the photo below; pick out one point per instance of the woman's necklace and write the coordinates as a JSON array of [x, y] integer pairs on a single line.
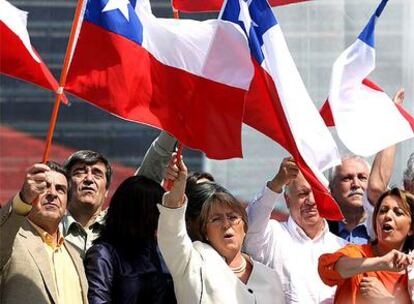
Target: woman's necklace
[[241, 268]]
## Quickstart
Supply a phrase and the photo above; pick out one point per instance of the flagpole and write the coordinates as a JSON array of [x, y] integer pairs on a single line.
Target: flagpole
[[62, 82], [168, 183], [176, 15]]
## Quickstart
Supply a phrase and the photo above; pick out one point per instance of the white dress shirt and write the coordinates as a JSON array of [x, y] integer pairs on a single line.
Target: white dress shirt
[[285, 247]]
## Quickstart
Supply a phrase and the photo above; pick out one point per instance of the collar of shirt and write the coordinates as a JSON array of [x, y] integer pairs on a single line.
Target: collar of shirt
[[298, 232], [47, 238], [358, 235], [68, 221]]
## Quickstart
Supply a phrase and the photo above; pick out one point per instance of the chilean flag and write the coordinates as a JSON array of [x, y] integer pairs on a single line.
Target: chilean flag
[[183, 76], [17, 56], [366, 119], [278, 103], [194, 6]]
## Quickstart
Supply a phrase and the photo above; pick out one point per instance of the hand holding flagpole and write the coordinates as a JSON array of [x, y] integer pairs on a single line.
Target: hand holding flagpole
[[168, 183]]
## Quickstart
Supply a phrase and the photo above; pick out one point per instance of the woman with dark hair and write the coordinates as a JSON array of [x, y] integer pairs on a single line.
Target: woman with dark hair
[[197, 193], [377, 272], [214, 270], [124, 264]]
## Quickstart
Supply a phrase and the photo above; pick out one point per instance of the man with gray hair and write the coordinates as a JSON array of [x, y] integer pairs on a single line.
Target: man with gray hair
[[408, 177], [356, 188], [293, 247]]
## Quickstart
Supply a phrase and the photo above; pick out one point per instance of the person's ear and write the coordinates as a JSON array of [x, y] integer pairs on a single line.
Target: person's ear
[[287, 199]]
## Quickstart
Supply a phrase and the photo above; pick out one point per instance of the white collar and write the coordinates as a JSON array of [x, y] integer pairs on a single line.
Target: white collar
[[299, 233]]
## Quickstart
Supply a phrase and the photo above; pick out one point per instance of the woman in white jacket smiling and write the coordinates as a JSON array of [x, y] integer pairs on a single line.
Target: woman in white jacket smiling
[[214, 271]]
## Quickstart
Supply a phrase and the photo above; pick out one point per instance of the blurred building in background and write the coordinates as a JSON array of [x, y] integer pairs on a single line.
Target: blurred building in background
[[316, 33]]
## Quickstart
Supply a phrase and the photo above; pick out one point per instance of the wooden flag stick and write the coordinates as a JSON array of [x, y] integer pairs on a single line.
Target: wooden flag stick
[[62, 82], [168, 183]]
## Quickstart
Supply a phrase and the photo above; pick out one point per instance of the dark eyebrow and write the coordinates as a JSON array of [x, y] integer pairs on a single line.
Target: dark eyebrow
[[82, 167], [60, 186]]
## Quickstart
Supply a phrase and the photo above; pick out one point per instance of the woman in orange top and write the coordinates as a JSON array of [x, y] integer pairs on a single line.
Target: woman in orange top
[[376, 273]]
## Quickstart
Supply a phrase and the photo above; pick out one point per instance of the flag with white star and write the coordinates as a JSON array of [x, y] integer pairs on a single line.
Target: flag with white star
[[183, 76]]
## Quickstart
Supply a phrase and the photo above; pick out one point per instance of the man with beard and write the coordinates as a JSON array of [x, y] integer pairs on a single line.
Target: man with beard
[[293, 247]]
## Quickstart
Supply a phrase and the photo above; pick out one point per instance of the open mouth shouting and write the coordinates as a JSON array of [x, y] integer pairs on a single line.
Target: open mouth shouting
[[387, 228], [228, 236]]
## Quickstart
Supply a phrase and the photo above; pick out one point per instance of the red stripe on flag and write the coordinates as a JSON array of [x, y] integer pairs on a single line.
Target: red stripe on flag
[[406, 115], [129, 82], [326, 114], [372, 85], [265, 113], [16, 61], [194, 6]]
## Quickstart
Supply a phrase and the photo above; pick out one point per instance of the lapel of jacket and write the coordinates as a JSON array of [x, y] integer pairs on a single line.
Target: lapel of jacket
[[77, 261], [38, 252]]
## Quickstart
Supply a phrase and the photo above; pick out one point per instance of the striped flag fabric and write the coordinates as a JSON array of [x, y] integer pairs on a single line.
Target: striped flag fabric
[[278, 103], [18, 58], [186, 77], [366, 119]]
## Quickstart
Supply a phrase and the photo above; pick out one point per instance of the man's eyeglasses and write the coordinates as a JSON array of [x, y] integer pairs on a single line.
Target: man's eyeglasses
[[233, 219]]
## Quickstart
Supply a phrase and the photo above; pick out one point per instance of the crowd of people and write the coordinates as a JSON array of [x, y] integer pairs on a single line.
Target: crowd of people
[[197, 243]]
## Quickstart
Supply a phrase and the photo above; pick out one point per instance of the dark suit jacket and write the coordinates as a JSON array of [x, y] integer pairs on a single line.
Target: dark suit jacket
[[25, 272]]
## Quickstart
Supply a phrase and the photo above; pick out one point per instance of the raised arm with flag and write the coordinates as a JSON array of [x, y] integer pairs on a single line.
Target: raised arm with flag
[[186, 77], [278, 103], [354, 100]]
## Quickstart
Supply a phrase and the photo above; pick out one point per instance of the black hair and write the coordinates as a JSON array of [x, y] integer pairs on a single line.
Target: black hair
[[55, 166], [132, 214], [89, 157], [194, 177], [197, 194]]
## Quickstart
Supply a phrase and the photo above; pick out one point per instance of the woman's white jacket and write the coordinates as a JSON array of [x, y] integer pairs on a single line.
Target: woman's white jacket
[[201, 275]]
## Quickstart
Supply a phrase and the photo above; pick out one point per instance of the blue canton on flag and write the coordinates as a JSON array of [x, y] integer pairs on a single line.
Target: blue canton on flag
[[255, 17], [117, 16], [367, 35]]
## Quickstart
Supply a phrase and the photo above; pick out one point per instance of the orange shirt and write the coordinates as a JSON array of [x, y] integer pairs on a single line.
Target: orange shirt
[[347, 291]]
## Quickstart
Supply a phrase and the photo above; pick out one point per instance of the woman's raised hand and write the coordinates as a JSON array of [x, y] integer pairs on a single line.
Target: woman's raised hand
[[396, 260], [177, 174]]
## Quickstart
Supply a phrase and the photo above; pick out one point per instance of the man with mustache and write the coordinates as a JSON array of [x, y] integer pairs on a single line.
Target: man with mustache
[[348, 186], [356, 188], [36, 264], [90, 177], [293, 247]]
